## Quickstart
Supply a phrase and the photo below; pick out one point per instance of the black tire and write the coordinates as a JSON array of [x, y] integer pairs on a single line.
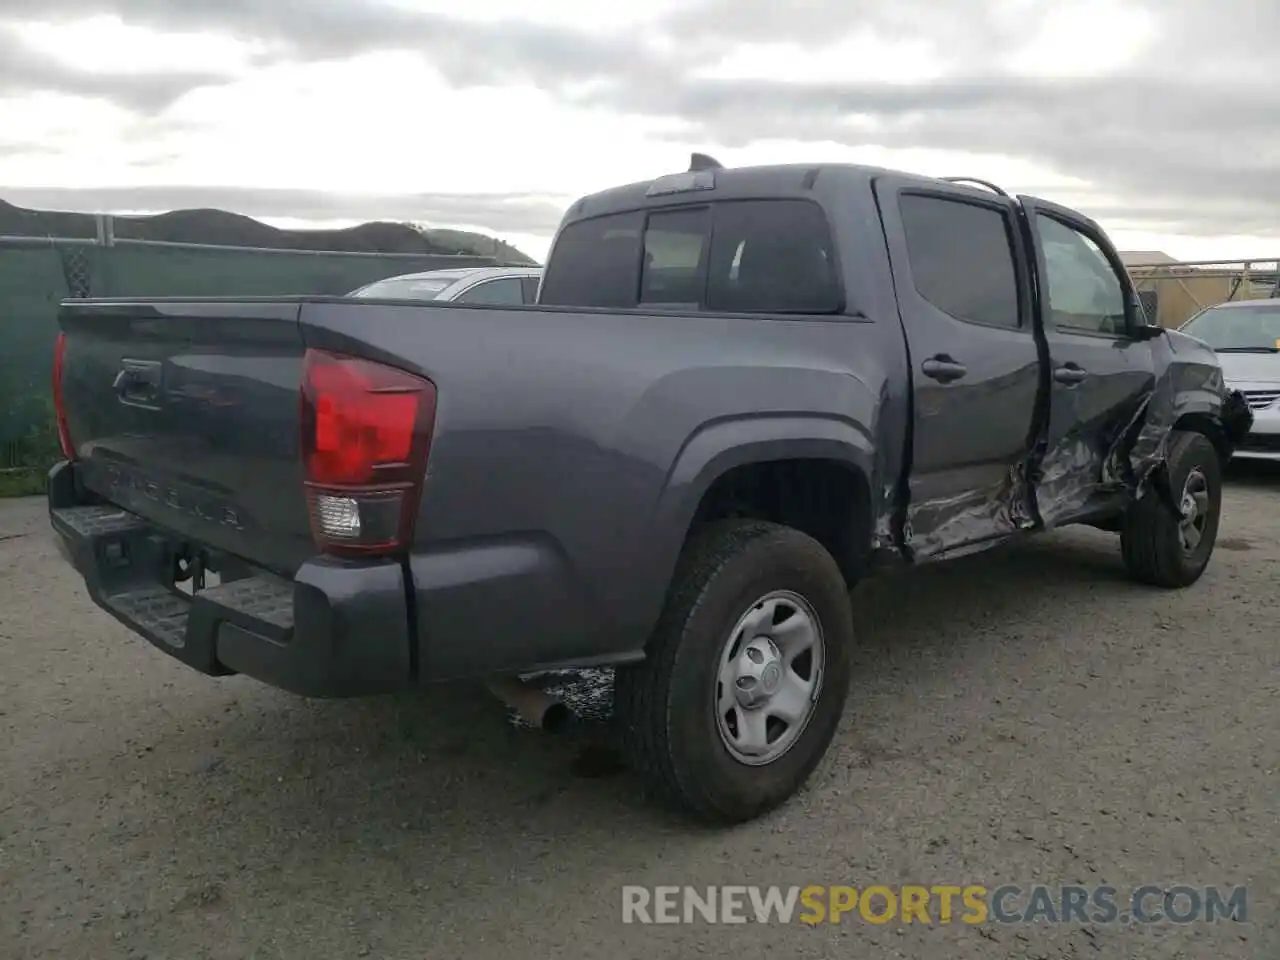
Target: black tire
[[1150, 536], [665, 705]]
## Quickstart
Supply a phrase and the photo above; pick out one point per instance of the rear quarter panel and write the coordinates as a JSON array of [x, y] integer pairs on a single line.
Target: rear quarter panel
[[572, 448]]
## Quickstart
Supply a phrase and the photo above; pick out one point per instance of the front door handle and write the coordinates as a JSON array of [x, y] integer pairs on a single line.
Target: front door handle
[[943, 368], [1070, 374]]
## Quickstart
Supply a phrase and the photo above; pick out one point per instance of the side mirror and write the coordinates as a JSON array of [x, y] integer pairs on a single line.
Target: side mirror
[[1141, 327]]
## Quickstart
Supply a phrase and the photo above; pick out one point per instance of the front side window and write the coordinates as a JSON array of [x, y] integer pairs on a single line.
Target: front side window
[[1084, 291]]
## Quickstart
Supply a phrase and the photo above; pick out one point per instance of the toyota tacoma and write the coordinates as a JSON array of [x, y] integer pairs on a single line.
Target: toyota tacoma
[[739, 392]]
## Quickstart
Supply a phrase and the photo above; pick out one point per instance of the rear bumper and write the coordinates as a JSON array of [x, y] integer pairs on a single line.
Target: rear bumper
[[335, 630]]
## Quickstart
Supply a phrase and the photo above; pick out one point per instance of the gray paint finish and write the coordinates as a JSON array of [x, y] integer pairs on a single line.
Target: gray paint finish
[[573, 475], [572, 445]]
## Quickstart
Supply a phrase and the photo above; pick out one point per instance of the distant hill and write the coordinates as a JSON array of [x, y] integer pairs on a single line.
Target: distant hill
[[232, 229]]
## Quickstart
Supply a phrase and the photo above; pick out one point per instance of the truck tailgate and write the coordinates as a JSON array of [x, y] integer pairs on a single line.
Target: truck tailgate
[[187, 414]]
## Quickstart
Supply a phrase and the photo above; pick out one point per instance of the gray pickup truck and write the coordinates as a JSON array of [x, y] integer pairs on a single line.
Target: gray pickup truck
[[739, 392]]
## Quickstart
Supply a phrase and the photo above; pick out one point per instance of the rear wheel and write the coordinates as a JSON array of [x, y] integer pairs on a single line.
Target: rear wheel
[[746, 675], [1161, 548]]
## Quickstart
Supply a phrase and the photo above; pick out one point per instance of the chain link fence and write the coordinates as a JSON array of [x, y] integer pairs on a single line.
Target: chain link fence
[[1175, 292], [37, 274]]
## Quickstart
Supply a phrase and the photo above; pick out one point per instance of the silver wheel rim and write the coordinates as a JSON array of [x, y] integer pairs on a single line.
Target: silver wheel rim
[[769, 678], [1195, 510]]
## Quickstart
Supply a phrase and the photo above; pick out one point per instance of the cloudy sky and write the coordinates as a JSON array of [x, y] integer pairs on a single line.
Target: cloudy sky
[[1161, 118]]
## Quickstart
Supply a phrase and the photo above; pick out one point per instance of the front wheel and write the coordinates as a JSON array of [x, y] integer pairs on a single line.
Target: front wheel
[[746, 675], [1166, 550]]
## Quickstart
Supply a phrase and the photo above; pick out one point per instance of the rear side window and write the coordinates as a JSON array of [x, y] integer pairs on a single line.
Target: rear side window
[[961, 259], [740, 256]]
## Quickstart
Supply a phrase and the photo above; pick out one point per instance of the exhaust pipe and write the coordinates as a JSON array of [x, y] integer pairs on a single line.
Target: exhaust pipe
[[531, 703]]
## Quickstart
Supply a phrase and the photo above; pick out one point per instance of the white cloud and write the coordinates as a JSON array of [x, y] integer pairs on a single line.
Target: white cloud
[[108, 45], [340, 109], [867, 55], [587, 15], [1084, 38]]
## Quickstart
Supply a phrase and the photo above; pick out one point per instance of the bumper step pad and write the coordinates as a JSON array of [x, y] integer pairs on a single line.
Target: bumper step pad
[[123, 564]]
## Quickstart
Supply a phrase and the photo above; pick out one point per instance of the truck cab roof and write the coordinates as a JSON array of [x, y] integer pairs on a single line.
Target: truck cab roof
[[731, 183]]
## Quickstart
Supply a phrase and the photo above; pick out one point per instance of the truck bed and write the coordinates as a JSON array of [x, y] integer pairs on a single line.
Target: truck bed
[[567, 454]]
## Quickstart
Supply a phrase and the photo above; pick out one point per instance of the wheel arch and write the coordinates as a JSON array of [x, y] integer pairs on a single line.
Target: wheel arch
[[778, 457], [1211, 426]]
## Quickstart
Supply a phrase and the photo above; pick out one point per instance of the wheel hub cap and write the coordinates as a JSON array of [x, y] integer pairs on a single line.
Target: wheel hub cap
[[759, 672], [769, 678], [1195, 510]]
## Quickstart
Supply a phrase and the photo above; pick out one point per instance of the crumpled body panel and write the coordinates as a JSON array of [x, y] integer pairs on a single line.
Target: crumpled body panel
[[1086, 464], [1190, 384], [967, 524]]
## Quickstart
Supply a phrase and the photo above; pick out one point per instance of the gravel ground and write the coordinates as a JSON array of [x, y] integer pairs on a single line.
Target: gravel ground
[[1025, 717]]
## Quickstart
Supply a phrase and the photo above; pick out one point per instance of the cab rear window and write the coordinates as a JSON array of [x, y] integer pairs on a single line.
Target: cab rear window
[[733, 256]]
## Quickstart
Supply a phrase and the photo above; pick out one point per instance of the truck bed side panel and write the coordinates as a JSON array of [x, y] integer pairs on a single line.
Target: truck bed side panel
[[556, 477]]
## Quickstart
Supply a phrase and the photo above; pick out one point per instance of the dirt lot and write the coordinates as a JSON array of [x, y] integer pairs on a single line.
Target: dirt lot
[[1023, 717]]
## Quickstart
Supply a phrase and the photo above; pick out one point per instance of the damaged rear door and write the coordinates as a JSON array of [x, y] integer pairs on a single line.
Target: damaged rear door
[[1101, 366], [963, 284]]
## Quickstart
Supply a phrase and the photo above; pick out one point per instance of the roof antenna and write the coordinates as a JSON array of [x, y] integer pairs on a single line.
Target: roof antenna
[[700, 161]]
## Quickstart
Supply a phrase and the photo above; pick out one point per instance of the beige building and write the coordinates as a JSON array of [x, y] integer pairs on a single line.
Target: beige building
[[1182, 290], [1145, 258]]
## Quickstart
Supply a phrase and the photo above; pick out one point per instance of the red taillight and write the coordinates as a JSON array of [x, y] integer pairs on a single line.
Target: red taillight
[[59, 407], [366, 432]]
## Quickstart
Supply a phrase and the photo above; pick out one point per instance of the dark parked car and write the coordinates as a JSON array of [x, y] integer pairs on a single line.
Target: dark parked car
[[741, 391]]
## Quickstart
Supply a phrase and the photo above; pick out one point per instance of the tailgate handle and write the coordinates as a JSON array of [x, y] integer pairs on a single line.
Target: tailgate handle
[[138, 381]]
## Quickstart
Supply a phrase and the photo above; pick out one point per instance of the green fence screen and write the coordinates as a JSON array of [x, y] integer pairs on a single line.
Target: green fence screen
[[36, 275]]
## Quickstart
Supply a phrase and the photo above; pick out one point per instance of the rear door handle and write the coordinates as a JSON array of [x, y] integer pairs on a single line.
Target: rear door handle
[[1070, 374], [943, 368]]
